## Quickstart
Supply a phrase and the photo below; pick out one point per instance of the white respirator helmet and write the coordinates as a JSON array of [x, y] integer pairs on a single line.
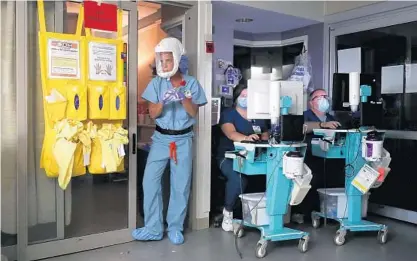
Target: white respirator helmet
[[168, 45]]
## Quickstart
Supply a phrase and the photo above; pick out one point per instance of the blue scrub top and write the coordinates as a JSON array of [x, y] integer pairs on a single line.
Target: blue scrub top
[[174, 116], [242, 125], [310, 116]]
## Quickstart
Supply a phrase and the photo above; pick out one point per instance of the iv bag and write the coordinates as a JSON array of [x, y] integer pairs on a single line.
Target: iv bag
[[302, 71]]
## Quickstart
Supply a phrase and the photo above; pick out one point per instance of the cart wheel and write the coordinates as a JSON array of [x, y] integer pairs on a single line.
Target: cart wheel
[[315, 222], [383, 236], [238, 231], [261, 249], [303, 244], [339, 239]]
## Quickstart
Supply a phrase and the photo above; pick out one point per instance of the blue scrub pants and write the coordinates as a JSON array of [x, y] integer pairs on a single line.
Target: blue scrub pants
[[181, 174], [234, 184]]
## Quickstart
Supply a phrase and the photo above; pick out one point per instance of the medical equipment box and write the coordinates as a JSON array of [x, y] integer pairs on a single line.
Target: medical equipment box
[[333, 203], [254, 209]]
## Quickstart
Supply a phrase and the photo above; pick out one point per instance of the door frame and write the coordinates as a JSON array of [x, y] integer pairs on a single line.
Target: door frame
[[77, 244]]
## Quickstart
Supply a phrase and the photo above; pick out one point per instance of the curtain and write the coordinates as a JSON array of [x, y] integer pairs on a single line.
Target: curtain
[[8, 118]]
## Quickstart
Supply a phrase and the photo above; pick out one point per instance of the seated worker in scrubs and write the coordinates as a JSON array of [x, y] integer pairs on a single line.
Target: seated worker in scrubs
[[317, 117], [174, 99], [235, 128]]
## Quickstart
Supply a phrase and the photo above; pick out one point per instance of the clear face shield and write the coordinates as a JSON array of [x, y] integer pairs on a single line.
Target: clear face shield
[[166, 65], [167, 57]]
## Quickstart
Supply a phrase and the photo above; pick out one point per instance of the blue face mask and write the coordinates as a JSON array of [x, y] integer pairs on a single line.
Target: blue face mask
[[323, 105], [242, 102]]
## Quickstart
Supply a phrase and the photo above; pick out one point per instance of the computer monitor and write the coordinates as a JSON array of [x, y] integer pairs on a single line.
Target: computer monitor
[[291, 128], [372, 114], [340, 92], [262, 94]]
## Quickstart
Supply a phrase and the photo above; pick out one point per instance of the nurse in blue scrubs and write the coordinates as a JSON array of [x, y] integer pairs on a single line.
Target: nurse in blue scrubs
[[174, 99], [235, 128]]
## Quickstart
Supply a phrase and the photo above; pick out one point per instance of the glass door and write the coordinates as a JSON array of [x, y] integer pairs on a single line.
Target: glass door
[[95, 210], [8, 135]]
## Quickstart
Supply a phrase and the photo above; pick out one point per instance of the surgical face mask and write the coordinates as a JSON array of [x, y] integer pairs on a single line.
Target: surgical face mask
[[168, 56], [323, 105], [242, 102]]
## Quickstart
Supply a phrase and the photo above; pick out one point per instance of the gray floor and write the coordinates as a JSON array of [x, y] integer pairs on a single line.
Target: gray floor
[[214, 244]]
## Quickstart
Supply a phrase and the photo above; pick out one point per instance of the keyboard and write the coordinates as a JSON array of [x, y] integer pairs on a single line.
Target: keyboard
[[255, 142]]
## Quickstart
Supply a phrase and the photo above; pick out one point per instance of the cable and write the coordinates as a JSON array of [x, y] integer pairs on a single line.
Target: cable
[[353, 170], [240, 163], [325, 190], [247, 204], [350, 165]]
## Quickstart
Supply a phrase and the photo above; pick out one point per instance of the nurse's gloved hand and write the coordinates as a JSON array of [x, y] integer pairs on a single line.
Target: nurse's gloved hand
[[172, 95], [168, 96], [181, 95]]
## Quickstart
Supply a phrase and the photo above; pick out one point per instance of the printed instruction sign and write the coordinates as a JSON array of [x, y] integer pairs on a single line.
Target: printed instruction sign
[[102, 63], [63, 59], [365, 179]]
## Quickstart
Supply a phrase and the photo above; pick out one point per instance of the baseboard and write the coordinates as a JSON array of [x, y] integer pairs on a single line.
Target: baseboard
[[200, 223], [9, 252], [393, 212]]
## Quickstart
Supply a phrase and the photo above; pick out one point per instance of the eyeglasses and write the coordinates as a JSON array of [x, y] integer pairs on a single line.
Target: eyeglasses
[[319, 96]]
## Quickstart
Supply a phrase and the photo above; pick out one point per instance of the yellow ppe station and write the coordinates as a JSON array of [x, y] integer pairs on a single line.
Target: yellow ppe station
[[84, 100]]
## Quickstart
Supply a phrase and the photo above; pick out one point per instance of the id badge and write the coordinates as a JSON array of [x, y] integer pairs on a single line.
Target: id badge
[[257, 129]]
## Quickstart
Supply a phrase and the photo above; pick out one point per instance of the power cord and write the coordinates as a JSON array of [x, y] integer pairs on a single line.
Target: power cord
[[236, 234], [240, 163], [352, 174]]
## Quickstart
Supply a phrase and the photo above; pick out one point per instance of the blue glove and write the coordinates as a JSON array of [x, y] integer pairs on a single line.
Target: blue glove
[[183, 66]]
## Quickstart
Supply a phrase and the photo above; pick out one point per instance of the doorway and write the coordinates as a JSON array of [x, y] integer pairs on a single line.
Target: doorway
[[156, 22], [94, 210]]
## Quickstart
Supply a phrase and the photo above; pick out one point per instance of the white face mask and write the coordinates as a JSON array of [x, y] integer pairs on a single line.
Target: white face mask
[[168, 54]]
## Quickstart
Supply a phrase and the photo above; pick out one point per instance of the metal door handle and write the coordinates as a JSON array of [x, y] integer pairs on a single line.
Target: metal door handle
[[134, 145]]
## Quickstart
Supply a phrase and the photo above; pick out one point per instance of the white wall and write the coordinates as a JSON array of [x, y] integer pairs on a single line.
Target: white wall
[[313, 10], [332, 7]]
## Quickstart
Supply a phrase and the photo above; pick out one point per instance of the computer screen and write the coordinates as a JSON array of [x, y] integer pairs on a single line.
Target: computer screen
[[292, 128], [340, 93], [372, 115]]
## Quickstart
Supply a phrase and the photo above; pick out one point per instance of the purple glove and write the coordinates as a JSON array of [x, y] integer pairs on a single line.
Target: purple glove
[[173, 95], [181, 95]]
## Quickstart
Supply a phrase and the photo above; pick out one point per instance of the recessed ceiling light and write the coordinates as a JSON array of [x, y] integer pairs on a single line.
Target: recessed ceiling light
[[244, 20]]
